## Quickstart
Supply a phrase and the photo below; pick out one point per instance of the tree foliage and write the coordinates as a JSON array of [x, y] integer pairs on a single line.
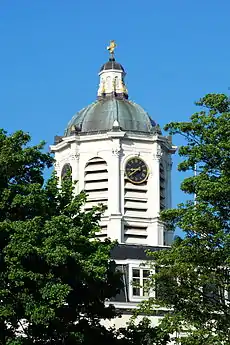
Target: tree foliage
[[192, 277], [55, 276]]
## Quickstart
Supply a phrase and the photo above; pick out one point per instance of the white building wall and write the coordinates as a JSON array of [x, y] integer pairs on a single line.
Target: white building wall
[[123, 321]]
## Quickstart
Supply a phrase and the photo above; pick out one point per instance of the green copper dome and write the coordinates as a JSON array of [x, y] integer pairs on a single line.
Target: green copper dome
[[102, 116]]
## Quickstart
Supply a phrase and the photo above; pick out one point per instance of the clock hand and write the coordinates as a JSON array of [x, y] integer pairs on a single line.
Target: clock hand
[[134, 170]]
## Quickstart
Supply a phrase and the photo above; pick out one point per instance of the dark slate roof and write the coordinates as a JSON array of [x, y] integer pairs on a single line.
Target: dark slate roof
[[100, 116], [138, 252], [112, 64]]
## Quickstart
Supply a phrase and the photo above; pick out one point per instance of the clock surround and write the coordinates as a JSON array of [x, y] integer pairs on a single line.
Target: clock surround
[[136, 170]]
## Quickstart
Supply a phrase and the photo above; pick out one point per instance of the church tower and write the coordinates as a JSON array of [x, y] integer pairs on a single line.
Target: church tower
[[120, 158]]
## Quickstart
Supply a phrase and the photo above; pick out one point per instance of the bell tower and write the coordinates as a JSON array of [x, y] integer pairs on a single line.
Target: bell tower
[[119, 156]]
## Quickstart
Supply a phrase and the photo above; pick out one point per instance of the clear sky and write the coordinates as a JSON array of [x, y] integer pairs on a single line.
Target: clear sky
[[174, 52]]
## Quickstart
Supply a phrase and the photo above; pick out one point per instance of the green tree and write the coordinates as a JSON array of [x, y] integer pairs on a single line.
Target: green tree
[[55, 276], [192, 277]]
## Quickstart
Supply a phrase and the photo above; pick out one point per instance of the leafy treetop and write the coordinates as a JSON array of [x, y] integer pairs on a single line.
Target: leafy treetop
[[192, 277]]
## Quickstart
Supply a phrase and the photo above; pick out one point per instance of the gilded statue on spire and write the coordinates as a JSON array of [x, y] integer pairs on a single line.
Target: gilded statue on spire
[[111, 48]]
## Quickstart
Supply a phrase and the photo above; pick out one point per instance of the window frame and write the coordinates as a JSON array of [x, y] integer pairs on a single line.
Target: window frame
[[141, 268]]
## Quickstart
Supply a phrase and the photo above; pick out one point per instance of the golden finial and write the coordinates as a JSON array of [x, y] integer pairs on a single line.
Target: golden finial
[[111, 48]]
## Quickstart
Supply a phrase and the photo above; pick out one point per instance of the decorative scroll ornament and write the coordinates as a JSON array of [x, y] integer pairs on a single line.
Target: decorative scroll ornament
[[116, 151], [75, 156], [158, 154]]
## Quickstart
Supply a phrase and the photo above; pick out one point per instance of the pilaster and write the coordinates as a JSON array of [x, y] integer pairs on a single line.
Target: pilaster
[[114, 205]]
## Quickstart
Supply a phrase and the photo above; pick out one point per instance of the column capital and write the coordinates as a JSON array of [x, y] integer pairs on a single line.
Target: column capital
[[157, 156]]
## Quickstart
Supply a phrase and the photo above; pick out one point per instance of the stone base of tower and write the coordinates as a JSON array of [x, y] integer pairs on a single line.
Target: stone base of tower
[[135, 232]]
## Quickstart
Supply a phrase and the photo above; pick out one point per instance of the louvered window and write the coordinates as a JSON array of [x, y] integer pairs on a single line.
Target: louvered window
[[96, 187], [96, 183], [162, 187], [134, 234], [135, 199]]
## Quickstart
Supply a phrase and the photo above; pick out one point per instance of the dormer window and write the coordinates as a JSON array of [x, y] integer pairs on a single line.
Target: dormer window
[[138, 282]]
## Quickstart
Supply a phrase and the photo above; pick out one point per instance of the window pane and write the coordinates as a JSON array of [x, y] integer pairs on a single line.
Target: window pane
[[146, 273], [145, 287], [140, 279], [136, 273], [136, 282], [136, 291], [145, 293]]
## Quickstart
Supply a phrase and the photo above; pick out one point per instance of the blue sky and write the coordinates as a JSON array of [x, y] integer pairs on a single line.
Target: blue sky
[[174, 52]]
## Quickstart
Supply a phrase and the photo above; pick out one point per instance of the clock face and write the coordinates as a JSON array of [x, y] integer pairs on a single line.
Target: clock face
[[136, 170]]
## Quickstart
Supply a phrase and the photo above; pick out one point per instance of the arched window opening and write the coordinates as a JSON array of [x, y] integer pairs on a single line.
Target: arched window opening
[[66, 171], [108, 83], [96, 185], [96, 182], [116, 82]]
